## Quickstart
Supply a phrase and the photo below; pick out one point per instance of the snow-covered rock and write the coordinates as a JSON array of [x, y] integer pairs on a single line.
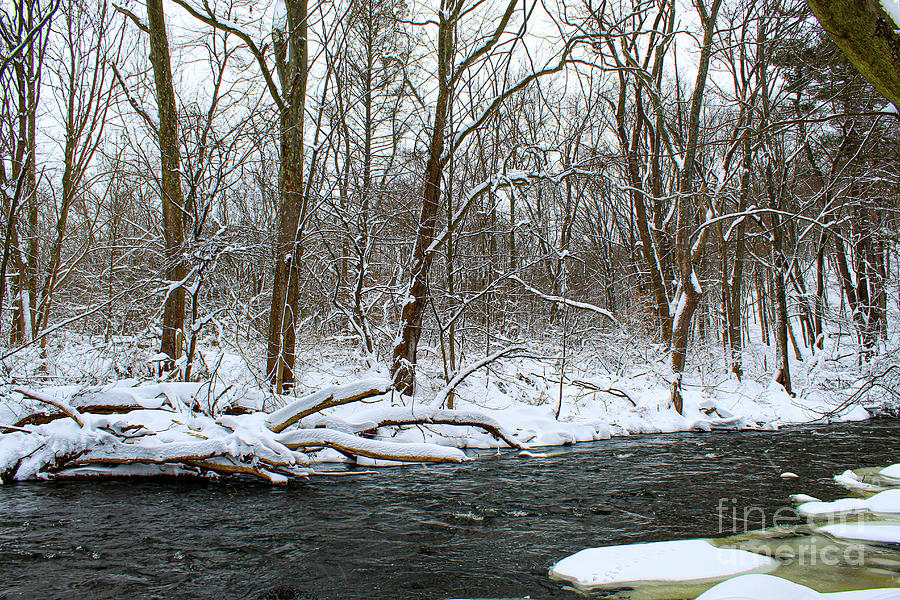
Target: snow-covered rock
[[871, 531], [851, 481], [842, 506], [891, 472], [673, 561], [886, 502], [767, 587], [801, 498]]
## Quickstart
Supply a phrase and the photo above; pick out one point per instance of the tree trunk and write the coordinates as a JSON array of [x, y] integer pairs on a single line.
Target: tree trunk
[[820, 303], [27, 72], [403, 369], [170, 183], [292, 58], [782, 362], [689, 254], [867, 36], [736, 283], [652, 259], [404, 359]]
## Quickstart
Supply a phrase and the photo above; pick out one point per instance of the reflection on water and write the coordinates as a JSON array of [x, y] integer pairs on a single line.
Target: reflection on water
[[827, 564], [486, 529]]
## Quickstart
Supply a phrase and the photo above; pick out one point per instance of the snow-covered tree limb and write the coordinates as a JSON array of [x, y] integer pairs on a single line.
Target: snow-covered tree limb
[[574, 304], [358, 446], [441, 397], [63, 406], [433, 415], [329, 397]]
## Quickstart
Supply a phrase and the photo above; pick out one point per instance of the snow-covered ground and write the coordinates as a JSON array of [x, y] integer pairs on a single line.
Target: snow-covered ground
[[539, 395], [615, 386], [87, 410]]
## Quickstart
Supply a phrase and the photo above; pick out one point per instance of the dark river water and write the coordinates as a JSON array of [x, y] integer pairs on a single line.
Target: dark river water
[[487, 529]]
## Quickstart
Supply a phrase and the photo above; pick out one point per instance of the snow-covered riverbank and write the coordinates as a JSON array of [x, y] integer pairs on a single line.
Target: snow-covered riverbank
[[529, 398]]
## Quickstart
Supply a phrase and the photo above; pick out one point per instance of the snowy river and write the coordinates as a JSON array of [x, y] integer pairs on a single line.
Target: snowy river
[[490, 528]]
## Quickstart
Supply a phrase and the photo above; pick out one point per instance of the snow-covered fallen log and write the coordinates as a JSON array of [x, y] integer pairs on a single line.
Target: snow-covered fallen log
[[431, 415], [218, 456], [359, 446], [160, 430], [105, 400], [329, 397]]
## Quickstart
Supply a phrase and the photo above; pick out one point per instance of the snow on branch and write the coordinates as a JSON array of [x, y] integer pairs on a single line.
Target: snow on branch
[[441, 397], [469, 127], [433, 415], [28, 38], [754, 212], [359, 446], [329, 397], [153, 430], [258, 51], [62, 405], [150, 119], [500, 180], [52, 328], [573, 303]]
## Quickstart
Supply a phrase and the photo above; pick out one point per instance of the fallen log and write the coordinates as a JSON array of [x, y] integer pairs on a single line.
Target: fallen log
[[213, 455], [329, 397], [95, 401], [62, 405], [376, 449], [152, 431], [426, 415], [39, 419]]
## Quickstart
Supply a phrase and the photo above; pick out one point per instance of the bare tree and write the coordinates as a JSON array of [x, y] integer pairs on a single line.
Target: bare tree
[[171, 195], [25, 31], [450, 71], [291, 61], [689, 252], [90, 41], [638, 64]]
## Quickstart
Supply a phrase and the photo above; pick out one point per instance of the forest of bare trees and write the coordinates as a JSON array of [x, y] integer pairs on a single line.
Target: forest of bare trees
[[465, 175]]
